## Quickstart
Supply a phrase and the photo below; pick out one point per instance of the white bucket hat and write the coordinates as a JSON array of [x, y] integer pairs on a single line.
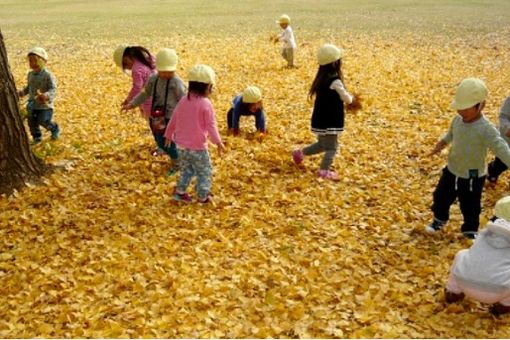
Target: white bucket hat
[[252, 94], [202, 73], [470, 92], [38, 51], [166, 60], [329, 53]]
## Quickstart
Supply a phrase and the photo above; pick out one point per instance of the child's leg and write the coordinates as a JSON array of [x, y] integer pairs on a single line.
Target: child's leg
[[314, 148], [44, 119], [33, 123], [470, 196], [204, 171], [444, 196], [229, 118], [290, 57], [187, 171], [330, 145], [495, 169]]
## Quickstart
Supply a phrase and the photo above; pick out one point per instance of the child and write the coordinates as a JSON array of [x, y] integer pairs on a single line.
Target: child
[[470, 134], [328, 110], [41, 88], [193, 120], [166, 89], [287, 39], [249, 103], [497, 167], [482, 272], [141, 63]]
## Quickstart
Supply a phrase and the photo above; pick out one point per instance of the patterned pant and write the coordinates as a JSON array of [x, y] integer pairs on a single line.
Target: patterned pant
[[195, 163]]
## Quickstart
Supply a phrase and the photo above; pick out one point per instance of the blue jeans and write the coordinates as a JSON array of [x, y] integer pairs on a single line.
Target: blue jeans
[[159, 137], [195, 163], [37, 118]]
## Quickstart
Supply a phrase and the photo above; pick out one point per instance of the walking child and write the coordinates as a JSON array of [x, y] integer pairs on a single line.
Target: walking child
[[482, 272], [328, 110], [470, 135], [497, 167], [166, 89], [249, 103], [287, 39], [41, 88], [192, 123]]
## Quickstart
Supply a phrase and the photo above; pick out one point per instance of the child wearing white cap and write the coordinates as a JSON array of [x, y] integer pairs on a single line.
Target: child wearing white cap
[[482, 272], [328, 110], [249, 103], [497, 167], [166, 89], [192, 123], [41, 88], [287, 39], [470, 136]]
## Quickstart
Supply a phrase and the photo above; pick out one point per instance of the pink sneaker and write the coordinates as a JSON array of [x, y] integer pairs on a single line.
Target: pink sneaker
[[184, 197], [328, 174], [297, 156]]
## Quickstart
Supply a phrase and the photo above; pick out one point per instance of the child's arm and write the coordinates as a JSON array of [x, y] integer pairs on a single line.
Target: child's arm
[[236, 115], [444, 141], [51, 90], [137, 85], [504, 117], [338, 86], [212, 127], [497, 144], [170, 128], [140, 97]]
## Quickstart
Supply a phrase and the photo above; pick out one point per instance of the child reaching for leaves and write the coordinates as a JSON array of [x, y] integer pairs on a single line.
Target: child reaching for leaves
[[41, 88], [192, 122], [470, 135], [249, 103], [328, 110], [287, 39], [166, 89], [482, 272]]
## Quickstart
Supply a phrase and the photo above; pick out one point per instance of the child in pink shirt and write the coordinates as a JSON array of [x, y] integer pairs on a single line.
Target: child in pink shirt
[[192, 122]]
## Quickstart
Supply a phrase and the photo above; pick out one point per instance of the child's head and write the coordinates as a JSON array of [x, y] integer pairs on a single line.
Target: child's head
[[284, 21], [166, 63], [252, 96], [201, 80], [330, 64], [37, 58], [125, 56], [470, 98]]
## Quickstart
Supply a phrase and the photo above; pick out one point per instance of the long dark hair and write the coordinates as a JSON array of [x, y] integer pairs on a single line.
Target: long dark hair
[[197, 88], [141, 54], [324, 73]]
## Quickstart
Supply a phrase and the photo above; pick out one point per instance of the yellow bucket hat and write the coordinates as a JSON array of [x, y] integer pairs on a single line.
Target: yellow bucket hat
[[470, 92], [329, 53], [284, 19], [252, 94], [166, 60], [38, 51], [202, 73]]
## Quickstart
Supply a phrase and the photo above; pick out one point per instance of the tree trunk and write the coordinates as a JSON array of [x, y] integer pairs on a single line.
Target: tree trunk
[[18, 164]]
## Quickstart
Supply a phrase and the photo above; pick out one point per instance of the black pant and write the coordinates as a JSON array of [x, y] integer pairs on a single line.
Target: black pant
[[469, 193], [496, 168]]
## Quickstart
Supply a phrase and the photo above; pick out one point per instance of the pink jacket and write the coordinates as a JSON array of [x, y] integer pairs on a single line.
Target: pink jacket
[[192, 121], [140, 74]]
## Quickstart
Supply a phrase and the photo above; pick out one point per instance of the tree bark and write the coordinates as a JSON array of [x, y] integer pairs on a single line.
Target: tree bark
[[18, 164]]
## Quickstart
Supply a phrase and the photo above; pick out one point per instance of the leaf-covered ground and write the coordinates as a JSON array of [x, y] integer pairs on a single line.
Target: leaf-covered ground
[[101, 250]]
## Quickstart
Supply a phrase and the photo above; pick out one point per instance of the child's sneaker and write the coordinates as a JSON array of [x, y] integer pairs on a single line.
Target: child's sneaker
[[435, 226], [452, 297], [55, 133], [184, 197], [297, 156], [470, 234], [497, 309], [328, 174], [207, 199]]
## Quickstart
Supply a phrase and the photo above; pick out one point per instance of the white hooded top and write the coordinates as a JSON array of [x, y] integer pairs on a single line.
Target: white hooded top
[[486, 265]]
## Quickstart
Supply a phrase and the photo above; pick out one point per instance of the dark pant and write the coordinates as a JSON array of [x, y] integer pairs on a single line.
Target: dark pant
[[159, 137], [37, 118], [469, 193], [496, 168]]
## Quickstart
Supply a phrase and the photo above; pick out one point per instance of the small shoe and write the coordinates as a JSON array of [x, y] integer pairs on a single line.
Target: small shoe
[[55, 133], [492, 179], [452, 297], [36, 141], [207, 199], [158, 152], [172, 171], [184, 197], [435, 226], [328, 174], [297, 156], [470, 234], [497, 309]]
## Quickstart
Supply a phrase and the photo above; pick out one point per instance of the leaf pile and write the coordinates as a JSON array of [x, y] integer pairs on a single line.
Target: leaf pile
[[101, 250]]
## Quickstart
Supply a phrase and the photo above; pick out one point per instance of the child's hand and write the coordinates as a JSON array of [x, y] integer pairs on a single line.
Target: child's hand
[[126, 107], [41, 97], [233, 132], [439, 146], [20, 93], [221, 148], [355, 106], [507, 133], [168, 142]]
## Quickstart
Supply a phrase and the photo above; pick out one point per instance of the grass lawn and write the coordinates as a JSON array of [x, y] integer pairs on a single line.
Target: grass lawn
[[101, 250]]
